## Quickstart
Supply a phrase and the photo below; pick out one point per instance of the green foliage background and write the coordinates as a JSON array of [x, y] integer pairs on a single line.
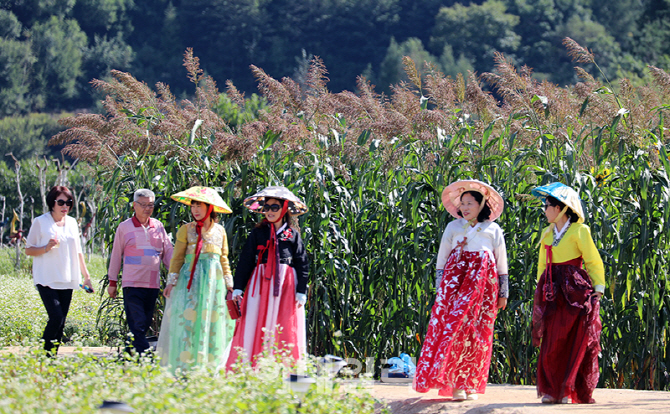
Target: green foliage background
[[374, 188]]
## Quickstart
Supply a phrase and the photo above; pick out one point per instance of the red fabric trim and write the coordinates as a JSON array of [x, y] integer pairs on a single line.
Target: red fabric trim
[[137, 223], [198, 246], [273, 255]]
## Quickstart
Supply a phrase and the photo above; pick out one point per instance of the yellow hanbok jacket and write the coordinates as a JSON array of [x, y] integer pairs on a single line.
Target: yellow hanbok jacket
[[577, 242]]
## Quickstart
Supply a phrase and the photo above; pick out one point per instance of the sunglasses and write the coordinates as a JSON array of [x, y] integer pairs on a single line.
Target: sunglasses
[[62, 203], [271, 207]]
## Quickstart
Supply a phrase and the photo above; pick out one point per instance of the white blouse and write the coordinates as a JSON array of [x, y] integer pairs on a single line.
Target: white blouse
[[59, 267], [486, 236]]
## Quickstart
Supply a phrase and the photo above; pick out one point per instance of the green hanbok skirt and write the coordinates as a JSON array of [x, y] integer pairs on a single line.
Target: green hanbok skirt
[[196, 330]]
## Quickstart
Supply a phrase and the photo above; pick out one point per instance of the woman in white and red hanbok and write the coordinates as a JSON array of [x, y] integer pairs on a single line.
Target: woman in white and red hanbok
[[471, 287], [270, 282]]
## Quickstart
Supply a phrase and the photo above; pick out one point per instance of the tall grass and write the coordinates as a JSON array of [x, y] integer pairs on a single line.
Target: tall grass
[[372, 169]]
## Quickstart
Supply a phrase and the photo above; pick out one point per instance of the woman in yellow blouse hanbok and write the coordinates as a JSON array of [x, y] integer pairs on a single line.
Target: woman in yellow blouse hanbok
[[196, 329], [566, 312]]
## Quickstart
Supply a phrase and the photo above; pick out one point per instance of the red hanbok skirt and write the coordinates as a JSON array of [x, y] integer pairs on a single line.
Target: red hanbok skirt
[[269, 323], [456, 353], [567, 329]]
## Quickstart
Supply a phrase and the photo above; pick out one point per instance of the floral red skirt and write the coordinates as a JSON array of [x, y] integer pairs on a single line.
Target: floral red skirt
[[456, 353], [567, 328]]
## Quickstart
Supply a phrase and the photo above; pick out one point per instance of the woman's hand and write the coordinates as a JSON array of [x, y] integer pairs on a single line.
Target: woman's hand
[[168, 290], [237, 296], [87, 282], [597, 295], [50, 245], [502, 303], [301, 298]]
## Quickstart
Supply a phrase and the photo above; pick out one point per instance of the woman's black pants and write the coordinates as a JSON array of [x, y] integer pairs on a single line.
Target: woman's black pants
[[57, 304]]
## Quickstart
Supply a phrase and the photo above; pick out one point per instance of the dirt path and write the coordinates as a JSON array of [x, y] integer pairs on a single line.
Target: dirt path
[[519, 399]]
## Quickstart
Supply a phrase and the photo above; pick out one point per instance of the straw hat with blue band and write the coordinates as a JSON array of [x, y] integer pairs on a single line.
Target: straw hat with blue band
[[562, 193], [204, 195], [565, 195], [451, 197], [295, 206]]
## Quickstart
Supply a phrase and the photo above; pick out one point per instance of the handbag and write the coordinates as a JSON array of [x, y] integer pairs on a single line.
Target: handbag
[[233, 307]]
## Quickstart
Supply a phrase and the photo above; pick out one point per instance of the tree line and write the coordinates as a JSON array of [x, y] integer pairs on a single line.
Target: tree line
[[50, 50]]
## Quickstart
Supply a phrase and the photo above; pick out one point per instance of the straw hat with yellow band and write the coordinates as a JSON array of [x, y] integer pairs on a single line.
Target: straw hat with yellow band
[[451, 198], [565, 195], [213, 199], [205, 195]]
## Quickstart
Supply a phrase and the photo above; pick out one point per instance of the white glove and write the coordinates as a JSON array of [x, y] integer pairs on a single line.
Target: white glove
[[237, 294], [301, 298]]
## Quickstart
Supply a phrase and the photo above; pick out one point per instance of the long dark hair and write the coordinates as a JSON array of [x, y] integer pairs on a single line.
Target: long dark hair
[[485, 214], [569, 212]]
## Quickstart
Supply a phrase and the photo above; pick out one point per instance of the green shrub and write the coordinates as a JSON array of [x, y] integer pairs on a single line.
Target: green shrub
[[33, 383]]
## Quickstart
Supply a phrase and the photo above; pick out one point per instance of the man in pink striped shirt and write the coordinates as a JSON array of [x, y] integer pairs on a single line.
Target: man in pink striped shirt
[[140, 245]]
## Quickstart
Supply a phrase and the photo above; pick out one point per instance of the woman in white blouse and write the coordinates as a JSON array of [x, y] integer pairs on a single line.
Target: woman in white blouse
[[58, 262], [471, 287]]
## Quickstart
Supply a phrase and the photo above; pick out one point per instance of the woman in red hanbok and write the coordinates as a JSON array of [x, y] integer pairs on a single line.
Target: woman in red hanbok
[[472, 285], [272, 274], [566, 311]]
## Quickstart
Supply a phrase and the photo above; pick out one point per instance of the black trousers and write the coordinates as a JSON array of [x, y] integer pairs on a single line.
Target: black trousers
[[57, 304], [139, 304]]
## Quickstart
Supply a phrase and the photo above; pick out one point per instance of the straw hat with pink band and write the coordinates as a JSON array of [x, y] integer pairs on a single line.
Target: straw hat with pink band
[[451, 198]]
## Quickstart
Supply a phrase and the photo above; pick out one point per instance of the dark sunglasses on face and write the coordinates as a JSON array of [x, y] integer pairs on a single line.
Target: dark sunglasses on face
[[64, 203], [274, 207]]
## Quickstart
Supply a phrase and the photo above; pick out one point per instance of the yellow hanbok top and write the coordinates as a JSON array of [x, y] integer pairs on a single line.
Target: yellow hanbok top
[[214, 240], [577, 242]]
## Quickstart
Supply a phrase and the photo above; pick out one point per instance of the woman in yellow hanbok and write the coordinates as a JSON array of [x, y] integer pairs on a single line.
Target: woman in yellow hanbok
[[196, 330]]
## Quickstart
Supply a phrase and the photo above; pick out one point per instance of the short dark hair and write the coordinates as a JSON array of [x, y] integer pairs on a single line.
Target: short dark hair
[[55, 192], [485, 214], [554, 202]]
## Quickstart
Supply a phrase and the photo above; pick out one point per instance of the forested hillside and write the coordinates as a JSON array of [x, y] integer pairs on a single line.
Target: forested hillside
[[51, 49]]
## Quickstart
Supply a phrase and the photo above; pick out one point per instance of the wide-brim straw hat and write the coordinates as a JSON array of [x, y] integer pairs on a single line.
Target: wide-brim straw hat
[[451, 197], [204, 195], [295, 206], [562, 193]]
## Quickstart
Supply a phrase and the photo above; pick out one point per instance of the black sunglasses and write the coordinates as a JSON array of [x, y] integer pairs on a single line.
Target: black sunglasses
[[64, 203], [274, 207]]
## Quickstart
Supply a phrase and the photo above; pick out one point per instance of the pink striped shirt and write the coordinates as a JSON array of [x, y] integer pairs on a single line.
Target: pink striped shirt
[[140, 250]]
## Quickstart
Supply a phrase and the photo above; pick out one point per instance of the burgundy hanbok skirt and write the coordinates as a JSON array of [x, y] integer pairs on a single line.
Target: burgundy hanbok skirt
[[456, 353], [567, 328]]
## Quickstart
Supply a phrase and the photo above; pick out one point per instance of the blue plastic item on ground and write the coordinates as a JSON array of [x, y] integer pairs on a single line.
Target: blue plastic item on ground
[[401, 365]]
